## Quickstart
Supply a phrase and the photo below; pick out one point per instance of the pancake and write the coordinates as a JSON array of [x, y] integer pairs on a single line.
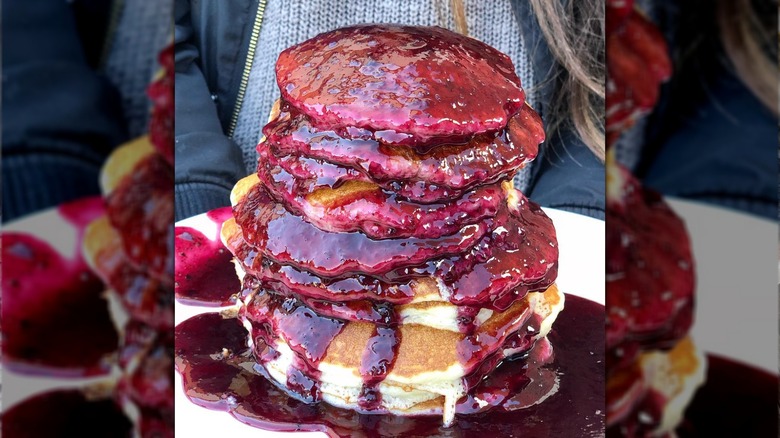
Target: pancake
[[406, 87], [457, 166], [429, 363], [650, 270], [137, 183], [387, 263], [144, 297], [364, 206], [127, 246], [289, 239], [324, 173], [517, 257], [426, 307], [660, 384]]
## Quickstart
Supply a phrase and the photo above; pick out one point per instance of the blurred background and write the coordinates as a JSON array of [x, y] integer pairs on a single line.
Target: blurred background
[[83, 313], [692, 115]]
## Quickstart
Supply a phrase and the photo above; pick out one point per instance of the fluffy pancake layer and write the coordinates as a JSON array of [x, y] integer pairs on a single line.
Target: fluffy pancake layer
[[430, 364], [650, 397]]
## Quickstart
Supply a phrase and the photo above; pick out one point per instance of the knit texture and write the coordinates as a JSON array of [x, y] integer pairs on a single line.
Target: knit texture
[[142, 29], [286, 23]]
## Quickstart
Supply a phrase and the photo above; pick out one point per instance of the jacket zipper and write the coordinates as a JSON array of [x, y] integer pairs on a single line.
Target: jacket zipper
[[113, 24], [250, 56]]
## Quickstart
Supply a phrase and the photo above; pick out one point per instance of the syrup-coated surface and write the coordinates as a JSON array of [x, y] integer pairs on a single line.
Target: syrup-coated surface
[[416, 82], [519, 255], [212, 376], [141, 210], [366, 207], [650, 277], [42, 291], [455, 165], [66, 413], [289, 239]]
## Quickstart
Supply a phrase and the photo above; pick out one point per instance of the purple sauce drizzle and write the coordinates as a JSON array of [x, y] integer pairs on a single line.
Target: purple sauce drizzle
[[576, 409], [42, 292]]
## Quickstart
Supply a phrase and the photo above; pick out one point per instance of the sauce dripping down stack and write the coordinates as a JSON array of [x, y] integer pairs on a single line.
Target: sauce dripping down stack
[[653, 366], [387, 263], [130, 248]]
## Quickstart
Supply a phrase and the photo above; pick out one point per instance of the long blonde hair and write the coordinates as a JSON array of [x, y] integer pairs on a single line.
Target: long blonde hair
[[574, 31], [749, 38]]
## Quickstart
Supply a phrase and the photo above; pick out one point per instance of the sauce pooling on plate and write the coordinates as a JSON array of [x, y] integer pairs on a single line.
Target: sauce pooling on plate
[[215, 363], [204, 271]]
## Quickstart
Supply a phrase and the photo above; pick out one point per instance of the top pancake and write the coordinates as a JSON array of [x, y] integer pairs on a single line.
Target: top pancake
[[409, 84]]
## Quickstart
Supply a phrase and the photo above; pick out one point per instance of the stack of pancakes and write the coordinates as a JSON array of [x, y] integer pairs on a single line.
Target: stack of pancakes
[[653, 366], [388, 263], [131, 249]]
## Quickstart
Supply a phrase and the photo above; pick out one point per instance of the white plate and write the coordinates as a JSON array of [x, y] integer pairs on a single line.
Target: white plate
[[581, 272], [736, 263], [49, 226]]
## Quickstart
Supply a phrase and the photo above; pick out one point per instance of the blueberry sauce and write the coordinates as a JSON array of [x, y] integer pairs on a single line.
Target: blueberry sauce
[[443, 171], [365, 206], [42, 291], [67, 413], [650, 273], [519, 256], [377, 362], [204, 268], [289, 239], [398, 81], [212, 356], [141, 209], [747, 396]]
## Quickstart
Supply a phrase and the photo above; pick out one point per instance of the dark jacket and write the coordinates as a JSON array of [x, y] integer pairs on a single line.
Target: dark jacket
[[61, 118]]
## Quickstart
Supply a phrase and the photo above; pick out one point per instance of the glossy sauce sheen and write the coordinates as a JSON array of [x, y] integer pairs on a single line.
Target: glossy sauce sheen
[[377, 213], [204, 270], [438, 170], [398, 81], [66, 413], [211, 378], [141, 209], [144, 297], [289, 239], [748, 394], [520, 255]]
